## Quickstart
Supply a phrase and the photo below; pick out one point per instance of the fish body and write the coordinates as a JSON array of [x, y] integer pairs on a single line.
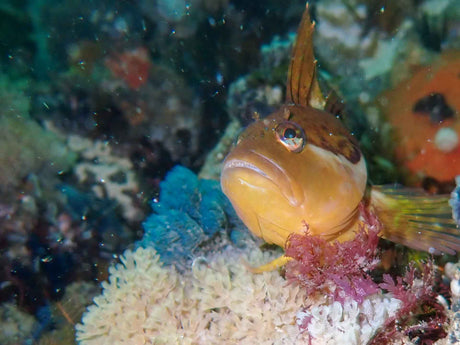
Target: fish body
[[300, 170]]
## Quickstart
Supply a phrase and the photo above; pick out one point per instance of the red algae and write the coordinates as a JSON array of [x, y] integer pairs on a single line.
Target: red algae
[[421, 317], [338, 270]]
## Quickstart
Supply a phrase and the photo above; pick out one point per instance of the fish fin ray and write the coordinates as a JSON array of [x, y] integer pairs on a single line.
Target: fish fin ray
[[334, 104], [302, 85], [415, 219]]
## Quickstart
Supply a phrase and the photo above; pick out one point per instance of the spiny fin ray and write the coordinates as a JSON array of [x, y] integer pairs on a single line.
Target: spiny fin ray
[[302, 84]]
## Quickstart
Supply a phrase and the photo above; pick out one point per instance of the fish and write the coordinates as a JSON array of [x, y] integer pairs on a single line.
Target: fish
[[300, 170]]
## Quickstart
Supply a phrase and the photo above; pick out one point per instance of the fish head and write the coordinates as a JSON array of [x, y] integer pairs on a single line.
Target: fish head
[[297, 170]]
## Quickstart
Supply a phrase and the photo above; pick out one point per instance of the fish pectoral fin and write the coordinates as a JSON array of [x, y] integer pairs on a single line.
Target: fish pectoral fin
[[271, 266], [416, 219]]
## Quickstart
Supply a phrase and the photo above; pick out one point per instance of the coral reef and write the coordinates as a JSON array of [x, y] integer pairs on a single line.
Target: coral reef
[[15, 326], [112, 176], [380, 42], [59, 326], [26, 148], [178, 100], [44, 231], [217, 300], [438, 24], [51, 237], [55, 324], [101, 99], [163, 108], [421, 317]]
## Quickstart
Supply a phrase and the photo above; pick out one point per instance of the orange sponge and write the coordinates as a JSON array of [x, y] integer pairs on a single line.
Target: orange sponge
[[424, 113]]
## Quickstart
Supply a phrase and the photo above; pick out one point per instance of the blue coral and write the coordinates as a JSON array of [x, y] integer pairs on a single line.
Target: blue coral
[[190, 211]]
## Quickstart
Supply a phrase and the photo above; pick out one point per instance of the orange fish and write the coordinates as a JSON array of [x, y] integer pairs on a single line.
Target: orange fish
[[300, 170]]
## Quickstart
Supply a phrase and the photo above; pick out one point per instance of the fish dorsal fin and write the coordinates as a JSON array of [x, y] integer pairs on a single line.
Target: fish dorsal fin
[[334, 104], [302, 84]]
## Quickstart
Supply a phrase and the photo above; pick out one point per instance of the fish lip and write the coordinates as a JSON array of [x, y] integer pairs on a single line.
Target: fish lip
[[287, 191], [240, 163], [236, 163]]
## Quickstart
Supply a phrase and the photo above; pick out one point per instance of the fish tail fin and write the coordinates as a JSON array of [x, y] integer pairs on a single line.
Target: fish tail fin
[[416, 219]]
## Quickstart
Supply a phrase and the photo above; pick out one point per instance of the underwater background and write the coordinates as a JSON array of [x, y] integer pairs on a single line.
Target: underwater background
[[115, 117]]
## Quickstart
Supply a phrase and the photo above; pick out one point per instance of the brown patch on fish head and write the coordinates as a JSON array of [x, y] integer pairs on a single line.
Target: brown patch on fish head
[[325, 131]]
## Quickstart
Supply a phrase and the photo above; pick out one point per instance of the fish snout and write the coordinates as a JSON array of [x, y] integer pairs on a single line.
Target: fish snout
[[260, 175]]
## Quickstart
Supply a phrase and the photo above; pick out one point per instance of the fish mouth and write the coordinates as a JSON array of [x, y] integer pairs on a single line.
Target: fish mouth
[[255, 166]]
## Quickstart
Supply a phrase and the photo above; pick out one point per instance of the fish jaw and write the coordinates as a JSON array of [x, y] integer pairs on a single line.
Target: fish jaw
[[256, 193]]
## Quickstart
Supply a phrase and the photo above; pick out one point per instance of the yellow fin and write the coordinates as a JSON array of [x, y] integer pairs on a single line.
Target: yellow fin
[[416, 219], [302, 84], [271, 266]]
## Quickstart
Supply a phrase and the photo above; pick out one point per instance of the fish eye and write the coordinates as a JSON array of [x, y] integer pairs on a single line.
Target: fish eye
[[291, 135]]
